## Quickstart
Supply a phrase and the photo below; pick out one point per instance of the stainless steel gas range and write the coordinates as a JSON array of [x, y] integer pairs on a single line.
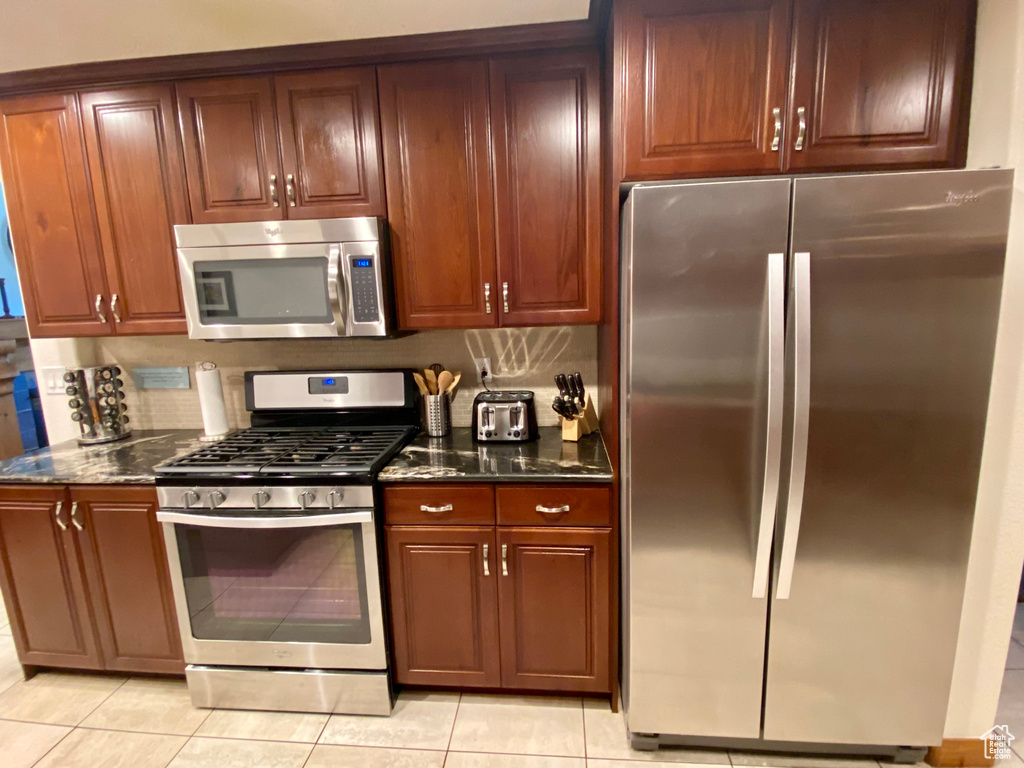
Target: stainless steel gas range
[[273, 544]]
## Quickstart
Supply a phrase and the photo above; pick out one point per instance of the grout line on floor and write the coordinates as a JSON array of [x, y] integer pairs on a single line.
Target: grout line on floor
[[451, 733], [583, 714], [59, 741]]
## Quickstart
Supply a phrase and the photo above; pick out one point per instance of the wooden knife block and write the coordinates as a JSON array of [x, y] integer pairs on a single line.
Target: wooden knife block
[[584, 424]]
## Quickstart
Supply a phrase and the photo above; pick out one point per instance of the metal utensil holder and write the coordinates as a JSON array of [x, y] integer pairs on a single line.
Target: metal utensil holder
[[438, 415]]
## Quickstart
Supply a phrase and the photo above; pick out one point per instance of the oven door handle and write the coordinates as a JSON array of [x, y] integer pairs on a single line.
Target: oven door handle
[[292, 521], [335, 289]]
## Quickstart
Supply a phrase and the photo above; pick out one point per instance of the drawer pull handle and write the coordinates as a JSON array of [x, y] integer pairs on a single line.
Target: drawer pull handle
[[504, 559], [801, 131], [56, 516], [487, 566], [553, 510], [445, 508]]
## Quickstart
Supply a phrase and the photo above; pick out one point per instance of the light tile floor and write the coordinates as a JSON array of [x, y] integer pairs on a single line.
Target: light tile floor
[[62, 720]]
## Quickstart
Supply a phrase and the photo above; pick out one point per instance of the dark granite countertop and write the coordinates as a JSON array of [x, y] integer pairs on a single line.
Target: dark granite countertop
[[126, 461], [457, 458]]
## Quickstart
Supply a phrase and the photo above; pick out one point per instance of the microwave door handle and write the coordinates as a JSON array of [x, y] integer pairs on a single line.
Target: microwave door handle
[[335, 289], [293, 521]]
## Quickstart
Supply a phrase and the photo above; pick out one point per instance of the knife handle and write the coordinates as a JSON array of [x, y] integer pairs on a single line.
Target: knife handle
[[579, 385]]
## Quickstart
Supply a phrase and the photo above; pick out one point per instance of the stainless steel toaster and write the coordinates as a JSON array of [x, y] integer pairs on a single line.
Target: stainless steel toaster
[[504, 416]]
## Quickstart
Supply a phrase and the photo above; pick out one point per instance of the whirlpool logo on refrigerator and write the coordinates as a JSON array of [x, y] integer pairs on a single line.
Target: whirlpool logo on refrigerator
[[960, 198]]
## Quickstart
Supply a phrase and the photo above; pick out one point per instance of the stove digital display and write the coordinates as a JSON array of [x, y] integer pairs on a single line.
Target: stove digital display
[[328, 385]]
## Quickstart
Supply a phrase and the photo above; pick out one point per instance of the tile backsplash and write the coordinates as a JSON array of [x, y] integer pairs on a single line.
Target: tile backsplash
[[526, 358]]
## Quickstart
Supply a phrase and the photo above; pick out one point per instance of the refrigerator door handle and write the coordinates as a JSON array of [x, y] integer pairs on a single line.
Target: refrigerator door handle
[[801, 415], [773, 443]]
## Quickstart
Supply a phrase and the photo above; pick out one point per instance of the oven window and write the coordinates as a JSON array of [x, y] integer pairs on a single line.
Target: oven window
[[291, 585], [262, 291]]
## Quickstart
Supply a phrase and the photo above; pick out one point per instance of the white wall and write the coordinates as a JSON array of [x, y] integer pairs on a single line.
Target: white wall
[[45, 33], [997, 544]]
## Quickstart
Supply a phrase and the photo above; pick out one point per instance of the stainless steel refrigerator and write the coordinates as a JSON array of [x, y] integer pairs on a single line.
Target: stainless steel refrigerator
[[806, 371]]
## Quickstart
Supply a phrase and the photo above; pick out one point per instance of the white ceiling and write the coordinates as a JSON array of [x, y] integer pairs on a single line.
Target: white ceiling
[[45, 33]]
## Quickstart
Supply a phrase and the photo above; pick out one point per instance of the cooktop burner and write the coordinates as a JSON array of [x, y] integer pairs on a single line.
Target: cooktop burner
[[299, 450]]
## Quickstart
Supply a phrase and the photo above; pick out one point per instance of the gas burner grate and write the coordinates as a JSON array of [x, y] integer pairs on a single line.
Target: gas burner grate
[[326, 450]]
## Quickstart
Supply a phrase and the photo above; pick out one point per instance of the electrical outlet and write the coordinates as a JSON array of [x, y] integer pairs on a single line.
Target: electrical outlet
[[483, 369]]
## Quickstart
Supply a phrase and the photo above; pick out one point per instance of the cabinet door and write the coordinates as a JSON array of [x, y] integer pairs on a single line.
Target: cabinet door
[[50, 208], [555, 610], [138, 184], [330, 146], [440, 203], [129, 583], [230, 139], [703, 81], [42, 580], [545, 117], [880, 83], [444, 605]]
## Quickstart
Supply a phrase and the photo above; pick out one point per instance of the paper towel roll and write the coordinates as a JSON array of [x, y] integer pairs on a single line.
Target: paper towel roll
[[211, 400]]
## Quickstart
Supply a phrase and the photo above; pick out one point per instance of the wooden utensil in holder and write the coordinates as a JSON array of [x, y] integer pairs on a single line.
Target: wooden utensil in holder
[[578, 426]]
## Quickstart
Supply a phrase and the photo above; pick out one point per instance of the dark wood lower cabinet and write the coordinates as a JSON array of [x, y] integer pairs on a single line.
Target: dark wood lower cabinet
[[444, 605], [84, 578], [554, 600], [129, 584], [42, 581], [502, 606]]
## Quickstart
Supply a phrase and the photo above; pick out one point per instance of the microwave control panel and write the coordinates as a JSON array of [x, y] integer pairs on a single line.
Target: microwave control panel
[[364, 290]]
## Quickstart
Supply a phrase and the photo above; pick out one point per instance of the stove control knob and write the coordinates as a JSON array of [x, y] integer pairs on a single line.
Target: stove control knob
[[306, 498], [335, 497], [188, 498], [69, 377], [215, 499], [260, 498]]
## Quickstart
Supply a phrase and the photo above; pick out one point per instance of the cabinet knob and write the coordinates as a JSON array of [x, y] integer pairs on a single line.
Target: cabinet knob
[[273, 190], [56, 516], [504, 559], [289, 189], [113, 307], [487, 297], [801, 130], [487, 565], [99, 308], [777, 114], [504, 296], [74, 516]]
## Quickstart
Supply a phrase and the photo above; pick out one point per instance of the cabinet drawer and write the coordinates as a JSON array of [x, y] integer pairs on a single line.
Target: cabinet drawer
[[518, 505], [439, 504]]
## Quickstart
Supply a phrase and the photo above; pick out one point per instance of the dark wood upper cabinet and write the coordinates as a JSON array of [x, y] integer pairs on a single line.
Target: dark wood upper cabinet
[[41, 579], [138, 184], [56, 243], [434, 125], [129, 582], [444, 605], [702, 83], [879, 83], [330, 147], [230, 137], [555, 608], [545, 117]]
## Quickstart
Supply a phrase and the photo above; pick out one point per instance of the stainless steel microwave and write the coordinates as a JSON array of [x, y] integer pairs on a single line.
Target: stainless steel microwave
[[285, 279]]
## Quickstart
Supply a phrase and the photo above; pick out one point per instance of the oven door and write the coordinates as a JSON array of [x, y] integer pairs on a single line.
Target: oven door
[[300, 591]]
